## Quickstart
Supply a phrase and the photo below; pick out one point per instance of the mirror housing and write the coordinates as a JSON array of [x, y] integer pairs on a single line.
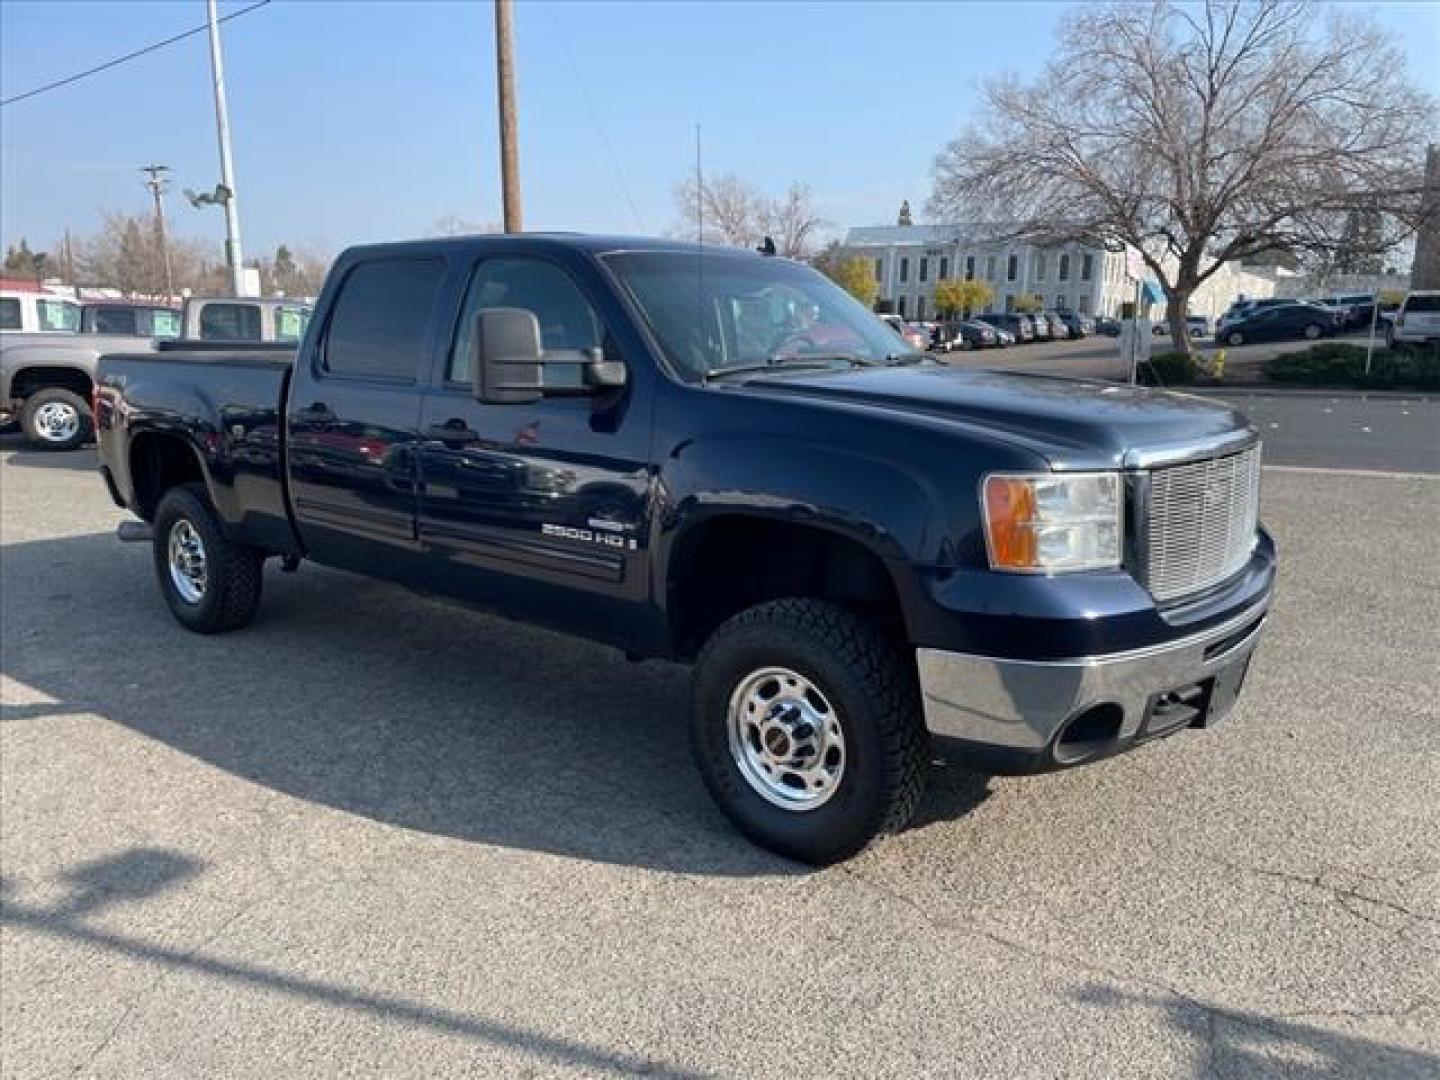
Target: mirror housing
[[505, 357]]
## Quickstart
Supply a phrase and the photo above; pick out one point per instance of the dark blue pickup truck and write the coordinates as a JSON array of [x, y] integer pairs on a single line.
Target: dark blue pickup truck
[[718, 456]]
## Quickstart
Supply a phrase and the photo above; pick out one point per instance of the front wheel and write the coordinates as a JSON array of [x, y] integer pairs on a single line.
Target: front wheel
[[211, 584], [806, 729], [55, 419], [1235, 338], [1312, 331]]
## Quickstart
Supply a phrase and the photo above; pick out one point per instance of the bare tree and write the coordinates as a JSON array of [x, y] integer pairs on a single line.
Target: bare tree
[[724, 210], [792, 222], [1198, 135]]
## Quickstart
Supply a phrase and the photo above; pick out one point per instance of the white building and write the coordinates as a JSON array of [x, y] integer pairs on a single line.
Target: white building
[[910, 260]]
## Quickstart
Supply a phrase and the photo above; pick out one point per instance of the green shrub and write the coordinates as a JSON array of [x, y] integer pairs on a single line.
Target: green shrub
[[1339, 364], [1168, 369]]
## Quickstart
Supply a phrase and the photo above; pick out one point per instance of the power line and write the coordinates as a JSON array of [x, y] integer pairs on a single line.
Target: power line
[[594, 116], [128, 56]]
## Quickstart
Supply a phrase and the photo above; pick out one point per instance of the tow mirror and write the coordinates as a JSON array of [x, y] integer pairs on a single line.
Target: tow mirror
[[602, 374], [505, 357]]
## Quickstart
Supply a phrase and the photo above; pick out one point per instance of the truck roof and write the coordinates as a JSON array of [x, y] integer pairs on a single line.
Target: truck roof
[[595, 245]]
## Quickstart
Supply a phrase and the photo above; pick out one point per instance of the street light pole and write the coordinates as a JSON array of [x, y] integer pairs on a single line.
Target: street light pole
[[156, 184], [509, 128], [233, 255]]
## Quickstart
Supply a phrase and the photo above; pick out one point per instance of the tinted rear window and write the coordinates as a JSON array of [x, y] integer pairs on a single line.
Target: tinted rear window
[[1423, 303], [10, 314], [230, 322], [381, 319], [115, 321]]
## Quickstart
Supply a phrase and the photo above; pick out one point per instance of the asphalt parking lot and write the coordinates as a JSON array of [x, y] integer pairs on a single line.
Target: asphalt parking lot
[[376, 836]]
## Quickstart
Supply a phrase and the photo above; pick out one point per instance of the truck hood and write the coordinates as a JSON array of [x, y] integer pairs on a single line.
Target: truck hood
[[1072, 423]]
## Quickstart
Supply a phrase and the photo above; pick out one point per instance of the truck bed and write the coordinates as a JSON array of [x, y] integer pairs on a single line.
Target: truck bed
[[227, 405]]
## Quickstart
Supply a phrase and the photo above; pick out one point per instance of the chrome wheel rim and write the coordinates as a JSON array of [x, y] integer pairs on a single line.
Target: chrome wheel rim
[[55, 421], [786, 739], [188, 570]]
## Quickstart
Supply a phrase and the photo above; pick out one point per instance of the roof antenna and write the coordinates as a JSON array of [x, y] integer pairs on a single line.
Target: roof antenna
[[699, 237]]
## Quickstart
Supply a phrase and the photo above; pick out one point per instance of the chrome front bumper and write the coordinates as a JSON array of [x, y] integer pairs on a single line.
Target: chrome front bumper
[[1019, 707]]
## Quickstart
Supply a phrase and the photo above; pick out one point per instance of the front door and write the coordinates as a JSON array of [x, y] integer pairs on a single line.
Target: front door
[[540, 509]]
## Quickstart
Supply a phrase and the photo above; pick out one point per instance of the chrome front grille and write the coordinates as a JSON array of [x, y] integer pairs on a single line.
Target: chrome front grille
[[1199, 522]]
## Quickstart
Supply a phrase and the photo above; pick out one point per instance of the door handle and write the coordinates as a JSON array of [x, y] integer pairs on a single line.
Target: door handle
[[453, 432], [318, 413]]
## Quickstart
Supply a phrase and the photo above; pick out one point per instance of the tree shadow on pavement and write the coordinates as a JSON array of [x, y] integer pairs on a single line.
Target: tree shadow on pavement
[[1250, 1045], [360, 696], [141, 873]]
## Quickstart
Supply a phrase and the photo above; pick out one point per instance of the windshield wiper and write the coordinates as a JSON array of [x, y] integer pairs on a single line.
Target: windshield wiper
[[794, 362]]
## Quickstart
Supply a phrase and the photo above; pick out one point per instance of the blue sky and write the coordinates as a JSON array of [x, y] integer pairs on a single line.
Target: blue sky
[[362, 121]]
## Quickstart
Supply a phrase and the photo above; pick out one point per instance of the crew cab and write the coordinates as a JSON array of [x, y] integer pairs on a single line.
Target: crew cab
[[720, 457]]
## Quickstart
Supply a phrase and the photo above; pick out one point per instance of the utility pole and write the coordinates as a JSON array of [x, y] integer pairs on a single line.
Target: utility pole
[[157, 185], [233, 255], [509, 133]]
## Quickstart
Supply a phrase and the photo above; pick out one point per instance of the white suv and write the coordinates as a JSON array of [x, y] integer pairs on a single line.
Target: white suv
[[1417, 321]]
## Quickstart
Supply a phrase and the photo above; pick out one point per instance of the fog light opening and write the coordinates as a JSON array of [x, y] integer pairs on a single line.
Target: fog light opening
[[1088, 733]]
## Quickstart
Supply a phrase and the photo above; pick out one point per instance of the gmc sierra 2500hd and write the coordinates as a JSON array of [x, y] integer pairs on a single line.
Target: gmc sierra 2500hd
[[719, 456]]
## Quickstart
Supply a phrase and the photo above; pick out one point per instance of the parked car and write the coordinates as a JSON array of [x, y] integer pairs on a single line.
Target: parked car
[[1003, 338], [912, 337], [26, 312], [865, 558], [46, 379], [1043, 330], [1107, 326], [1076, 325], [137, 320], [1198, 325], [967, 334], [1017, 323], [1417, 322], [1278, 322], [1242, 308]]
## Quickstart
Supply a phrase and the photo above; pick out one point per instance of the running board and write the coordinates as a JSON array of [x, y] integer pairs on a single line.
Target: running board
[[134, 532]]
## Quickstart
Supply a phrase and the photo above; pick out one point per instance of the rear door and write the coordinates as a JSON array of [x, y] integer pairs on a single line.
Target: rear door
[[354, 416], [531, 507]]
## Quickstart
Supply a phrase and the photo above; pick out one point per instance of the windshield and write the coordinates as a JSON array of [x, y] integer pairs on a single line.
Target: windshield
[[722, 311]]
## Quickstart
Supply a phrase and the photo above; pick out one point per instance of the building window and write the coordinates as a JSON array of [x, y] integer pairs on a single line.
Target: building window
[[904, 271], [1087, 266], [969, 267], [1039, 266], [1012, 267], [1040, 301], [990, 267], [1085, 301], [944, 268], [879, 269], [924, 269], [1009, 303], [920, 305], [1060, 301], [900, 303], [1064, 267]]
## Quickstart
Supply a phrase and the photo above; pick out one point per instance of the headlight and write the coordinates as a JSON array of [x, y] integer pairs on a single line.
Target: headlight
[[1051, 522]]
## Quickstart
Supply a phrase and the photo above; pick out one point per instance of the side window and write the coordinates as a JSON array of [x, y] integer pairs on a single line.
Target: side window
[[230, 322], [165, 324], [10, 314], [290, 323], [57, 315], [381, 317], [567, 321], [115, 321]]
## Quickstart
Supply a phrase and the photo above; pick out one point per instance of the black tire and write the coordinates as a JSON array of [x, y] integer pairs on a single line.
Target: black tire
[[1313, 331], [39, 427], [233, 572], [874, 694], [1234, 338]]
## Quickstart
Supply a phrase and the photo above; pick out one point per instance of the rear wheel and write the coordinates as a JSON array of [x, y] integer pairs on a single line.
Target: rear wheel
[[55, 419], [1235, 338], [211, 584], [1313, 331], [806, 729]]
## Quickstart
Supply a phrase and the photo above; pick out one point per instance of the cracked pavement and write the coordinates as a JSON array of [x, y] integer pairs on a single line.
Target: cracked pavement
[[376, 836]]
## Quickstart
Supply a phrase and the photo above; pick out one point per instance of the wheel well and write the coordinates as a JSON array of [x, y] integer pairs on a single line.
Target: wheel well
[[727, 565], [27, 381], [157, 463]]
